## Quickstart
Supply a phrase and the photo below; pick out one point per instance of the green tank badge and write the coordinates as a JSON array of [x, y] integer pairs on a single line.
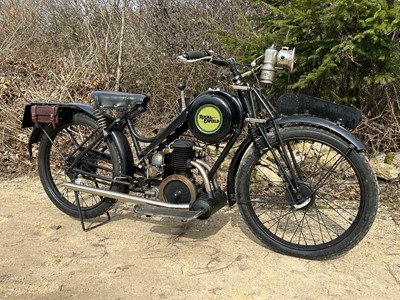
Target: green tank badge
[[208, 119]]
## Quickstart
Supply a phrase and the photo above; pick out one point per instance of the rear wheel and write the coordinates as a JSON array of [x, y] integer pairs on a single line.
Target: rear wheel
[[100, 163], [336, 199]]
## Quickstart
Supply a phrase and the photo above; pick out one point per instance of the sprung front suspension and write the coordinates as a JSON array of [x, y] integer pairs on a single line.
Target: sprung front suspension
[[256, 136]]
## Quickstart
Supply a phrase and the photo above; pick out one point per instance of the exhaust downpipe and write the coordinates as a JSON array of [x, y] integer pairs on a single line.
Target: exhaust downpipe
[[123, 197]]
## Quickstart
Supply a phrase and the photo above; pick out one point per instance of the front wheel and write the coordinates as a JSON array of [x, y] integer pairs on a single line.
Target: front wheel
[[336, 200]]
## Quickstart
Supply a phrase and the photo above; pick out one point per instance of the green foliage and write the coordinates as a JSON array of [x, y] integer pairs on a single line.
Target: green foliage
[[340, 45], [389, 158]]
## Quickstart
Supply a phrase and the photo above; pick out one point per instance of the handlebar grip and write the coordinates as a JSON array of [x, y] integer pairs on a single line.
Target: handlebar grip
[[219, 62], [195, 54]]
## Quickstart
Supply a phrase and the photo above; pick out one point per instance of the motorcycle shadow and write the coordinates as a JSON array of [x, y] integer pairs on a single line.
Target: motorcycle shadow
[[194, 230]]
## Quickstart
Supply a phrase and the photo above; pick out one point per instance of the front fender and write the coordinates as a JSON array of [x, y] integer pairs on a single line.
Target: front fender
[[324, 124], [288, 121], [233, 168]]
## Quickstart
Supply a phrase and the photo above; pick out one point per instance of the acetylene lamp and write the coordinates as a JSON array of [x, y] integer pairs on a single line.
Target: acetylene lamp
[[273, 60]]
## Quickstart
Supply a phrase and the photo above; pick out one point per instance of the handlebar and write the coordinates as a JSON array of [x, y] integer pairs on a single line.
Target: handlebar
[[194, 56], [273, 60]]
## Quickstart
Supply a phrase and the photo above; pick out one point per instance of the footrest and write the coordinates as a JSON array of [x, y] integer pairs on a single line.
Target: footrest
[[184, 215]]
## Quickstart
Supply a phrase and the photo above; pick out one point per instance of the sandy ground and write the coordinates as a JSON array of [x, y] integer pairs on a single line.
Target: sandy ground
[[44, 254]]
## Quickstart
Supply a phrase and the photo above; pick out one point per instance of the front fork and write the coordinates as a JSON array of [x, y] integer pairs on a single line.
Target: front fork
[[284, 159], [292, 172], [289, 167]]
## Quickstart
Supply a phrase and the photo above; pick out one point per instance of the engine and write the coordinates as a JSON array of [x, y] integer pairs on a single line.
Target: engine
[[177, 183], [175, 171]]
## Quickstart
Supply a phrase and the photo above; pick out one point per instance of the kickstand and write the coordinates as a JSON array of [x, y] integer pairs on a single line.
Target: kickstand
[[86, 229]]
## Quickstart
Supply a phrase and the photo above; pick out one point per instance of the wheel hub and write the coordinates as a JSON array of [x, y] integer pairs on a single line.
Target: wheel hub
[[86, 164], [303, 198]]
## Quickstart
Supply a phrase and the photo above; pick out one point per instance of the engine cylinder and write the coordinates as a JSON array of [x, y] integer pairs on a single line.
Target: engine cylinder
[[182, 154]]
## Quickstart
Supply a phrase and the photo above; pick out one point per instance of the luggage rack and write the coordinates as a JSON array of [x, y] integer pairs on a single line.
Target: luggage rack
[[290, 104]]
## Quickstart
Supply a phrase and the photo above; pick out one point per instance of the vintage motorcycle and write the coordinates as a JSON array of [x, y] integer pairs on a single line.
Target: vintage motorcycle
[[300, 179]]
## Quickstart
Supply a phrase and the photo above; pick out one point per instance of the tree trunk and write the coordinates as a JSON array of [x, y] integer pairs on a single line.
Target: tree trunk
[[120, 48]]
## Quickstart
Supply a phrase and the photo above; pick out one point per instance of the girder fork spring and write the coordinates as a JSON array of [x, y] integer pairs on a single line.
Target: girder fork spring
[[256, 136]]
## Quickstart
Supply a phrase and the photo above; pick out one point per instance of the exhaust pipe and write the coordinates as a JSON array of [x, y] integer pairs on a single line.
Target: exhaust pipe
[[123, 197]]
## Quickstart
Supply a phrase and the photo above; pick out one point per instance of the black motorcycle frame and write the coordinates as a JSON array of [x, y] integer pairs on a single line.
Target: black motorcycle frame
[[248, 98]]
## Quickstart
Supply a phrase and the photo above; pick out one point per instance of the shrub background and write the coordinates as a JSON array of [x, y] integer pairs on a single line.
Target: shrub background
[[62, 50]]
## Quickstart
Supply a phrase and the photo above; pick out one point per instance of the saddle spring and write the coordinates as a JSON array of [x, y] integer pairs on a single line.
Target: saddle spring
[[101, 119]]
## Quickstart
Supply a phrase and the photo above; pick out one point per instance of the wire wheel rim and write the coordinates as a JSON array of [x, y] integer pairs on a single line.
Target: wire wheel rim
[[67, 137], [312, 227]]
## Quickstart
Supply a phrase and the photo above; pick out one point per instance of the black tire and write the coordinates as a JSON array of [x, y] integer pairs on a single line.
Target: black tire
[[103, 160], [327, 221]]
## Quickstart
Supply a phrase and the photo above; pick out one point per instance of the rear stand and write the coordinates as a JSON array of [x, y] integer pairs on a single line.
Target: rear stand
[[86, 229]]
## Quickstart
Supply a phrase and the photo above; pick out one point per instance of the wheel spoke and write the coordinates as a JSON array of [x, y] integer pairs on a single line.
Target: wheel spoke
[[67, 142], [326, 206]]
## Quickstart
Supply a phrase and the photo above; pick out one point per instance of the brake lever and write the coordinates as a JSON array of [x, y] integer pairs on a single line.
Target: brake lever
[[245, 74]]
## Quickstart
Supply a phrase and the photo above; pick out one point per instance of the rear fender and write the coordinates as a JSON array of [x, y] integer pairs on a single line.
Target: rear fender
[[288, 121], [66, 113], [125, 151]]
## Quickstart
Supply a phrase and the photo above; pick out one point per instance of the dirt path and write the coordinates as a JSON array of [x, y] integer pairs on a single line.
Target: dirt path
[[44, 254]]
